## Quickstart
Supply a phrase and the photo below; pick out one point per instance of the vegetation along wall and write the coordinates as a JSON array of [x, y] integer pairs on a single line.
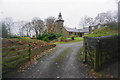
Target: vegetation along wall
[[100, 50]]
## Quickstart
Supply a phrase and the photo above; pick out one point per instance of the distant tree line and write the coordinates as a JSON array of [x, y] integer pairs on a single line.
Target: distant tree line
[[34, 27], [101, 18]]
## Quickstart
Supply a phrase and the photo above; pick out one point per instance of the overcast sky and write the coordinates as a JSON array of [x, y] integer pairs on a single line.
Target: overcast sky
[[72, 10]]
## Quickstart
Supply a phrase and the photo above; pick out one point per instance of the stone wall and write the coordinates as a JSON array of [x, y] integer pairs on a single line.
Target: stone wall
[[58, 27], [100, 50]]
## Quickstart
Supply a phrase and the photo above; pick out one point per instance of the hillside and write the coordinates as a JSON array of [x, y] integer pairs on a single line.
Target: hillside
[[104, 31], [21, 42]]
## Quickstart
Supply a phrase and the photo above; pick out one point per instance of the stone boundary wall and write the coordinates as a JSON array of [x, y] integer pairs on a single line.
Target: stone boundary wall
[[100, 50]]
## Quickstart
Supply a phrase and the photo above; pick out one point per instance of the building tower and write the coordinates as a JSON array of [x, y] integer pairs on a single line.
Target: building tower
[[59, 24]]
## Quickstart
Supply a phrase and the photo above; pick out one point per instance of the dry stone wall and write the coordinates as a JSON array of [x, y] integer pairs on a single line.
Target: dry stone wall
[[101, 50]]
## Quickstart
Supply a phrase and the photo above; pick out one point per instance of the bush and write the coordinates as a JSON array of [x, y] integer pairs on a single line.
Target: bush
[[52, 36], [33, 37], [72, 37], [18, 37], [63, 38], [39, 37], [48, 37], [58, 35]]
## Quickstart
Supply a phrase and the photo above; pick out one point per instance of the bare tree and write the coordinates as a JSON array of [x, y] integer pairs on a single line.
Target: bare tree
[[35, 26], [8, 22], [50, 23], [38, 25], [106, 17], [27, 27], [21, 32], [86, 21], [21, 27]]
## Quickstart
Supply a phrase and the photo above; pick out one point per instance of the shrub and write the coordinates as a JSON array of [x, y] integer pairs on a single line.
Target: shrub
[[39, 37], [46, 39], [33, 37], [62, 38], [48, 36], [58, 35], [72, 37], [52, 36], [18, 37]]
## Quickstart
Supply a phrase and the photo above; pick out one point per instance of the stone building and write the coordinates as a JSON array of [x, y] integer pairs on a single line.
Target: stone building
[[65, 31], [94, 27]]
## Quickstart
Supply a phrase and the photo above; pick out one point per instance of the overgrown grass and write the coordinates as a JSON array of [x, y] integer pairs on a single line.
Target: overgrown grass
[[77, 39], [80, 54], [81, 57], [62, 55], [104, 31]]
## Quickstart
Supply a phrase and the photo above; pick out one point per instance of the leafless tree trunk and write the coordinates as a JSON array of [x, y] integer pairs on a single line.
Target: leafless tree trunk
[[50, 22]]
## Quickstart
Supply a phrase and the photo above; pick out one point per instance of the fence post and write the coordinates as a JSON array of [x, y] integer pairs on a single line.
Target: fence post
[[85, 50], [29, 52], [97, 56]]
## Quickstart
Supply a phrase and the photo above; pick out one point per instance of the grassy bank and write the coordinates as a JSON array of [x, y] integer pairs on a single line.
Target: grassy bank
[[104, 31]]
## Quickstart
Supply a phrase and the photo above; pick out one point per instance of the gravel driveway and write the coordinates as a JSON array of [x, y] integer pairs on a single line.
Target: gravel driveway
[[55, 65]]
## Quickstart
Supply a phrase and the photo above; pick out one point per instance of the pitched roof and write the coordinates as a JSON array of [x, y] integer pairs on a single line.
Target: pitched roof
[[72, 29]]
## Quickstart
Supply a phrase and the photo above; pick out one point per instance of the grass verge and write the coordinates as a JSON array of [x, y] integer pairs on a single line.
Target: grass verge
[[80, 54], [104, 31]]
